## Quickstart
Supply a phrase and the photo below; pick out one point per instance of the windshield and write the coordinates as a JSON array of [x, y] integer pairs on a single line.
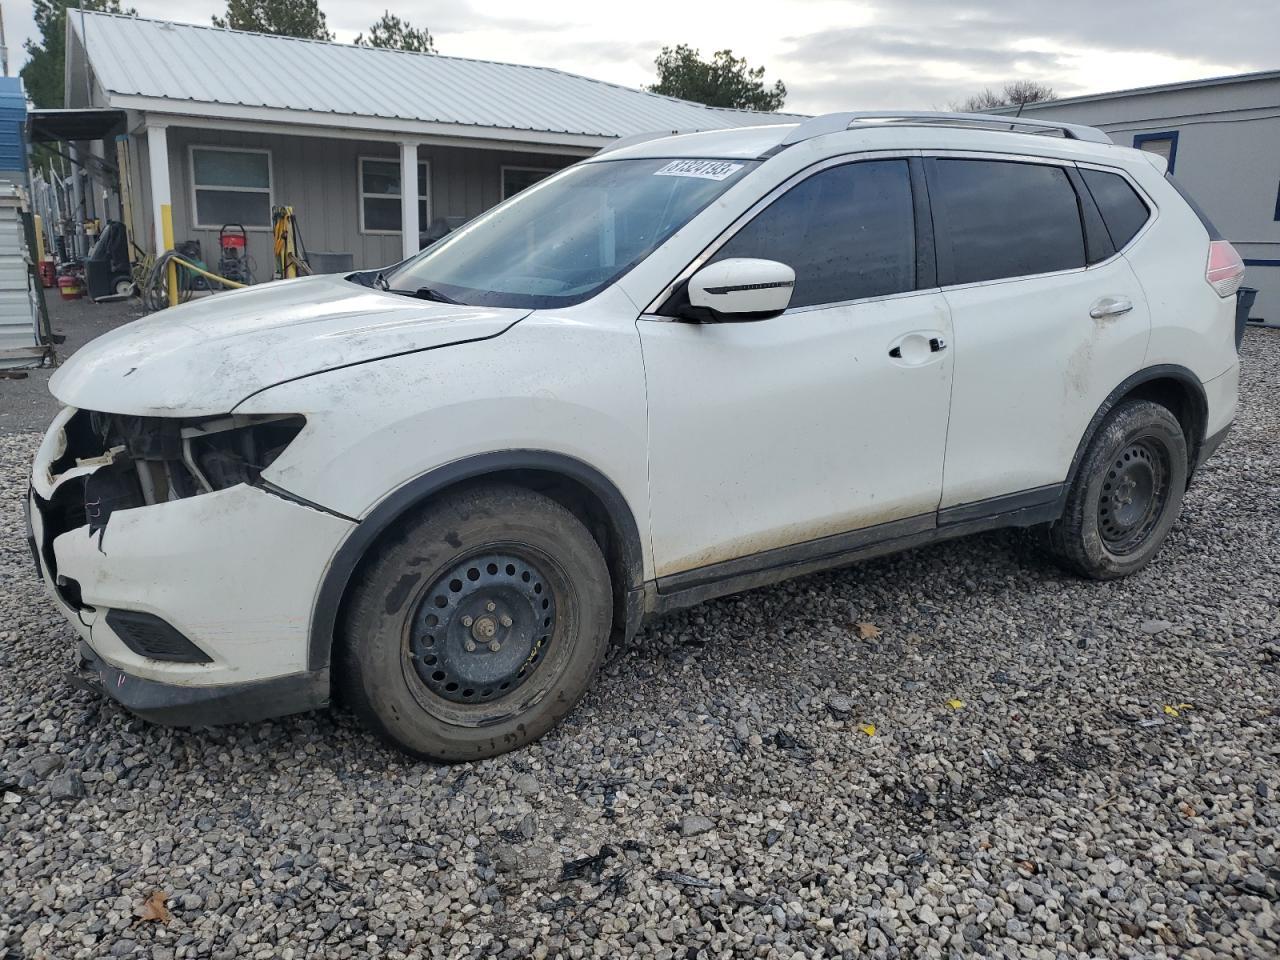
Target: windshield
[[565, 239]]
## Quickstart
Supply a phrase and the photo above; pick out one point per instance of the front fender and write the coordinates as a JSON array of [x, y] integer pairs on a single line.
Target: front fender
[[547, 384]]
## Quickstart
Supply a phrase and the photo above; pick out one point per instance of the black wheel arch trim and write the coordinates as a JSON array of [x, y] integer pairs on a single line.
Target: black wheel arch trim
[[337, 578], [1160, 371]]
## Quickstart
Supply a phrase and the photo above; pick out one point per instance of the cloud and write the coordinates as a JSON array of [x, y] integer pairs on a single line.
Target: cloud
[[837, 47], [929, 53], [1191, 29], [456, 17], [835, 54]]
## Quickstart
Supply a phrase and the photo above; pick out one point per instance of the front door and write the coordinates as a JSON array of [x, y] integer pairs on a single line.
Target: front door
[[829, 418]]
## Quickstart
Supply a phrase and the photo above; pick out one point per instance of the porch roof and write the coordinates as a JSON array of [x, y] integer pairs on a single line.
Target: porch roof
[[196, 70]]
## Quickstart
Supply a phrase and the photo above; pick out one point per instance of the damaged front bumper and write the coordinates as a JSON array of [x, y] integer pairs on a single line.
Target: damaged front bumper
[[195, 610], [196, 706]]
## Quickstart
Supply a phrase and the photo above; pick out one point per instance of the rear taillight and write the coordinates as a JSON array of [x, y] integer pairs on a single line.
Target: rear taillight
[[1225, 269]]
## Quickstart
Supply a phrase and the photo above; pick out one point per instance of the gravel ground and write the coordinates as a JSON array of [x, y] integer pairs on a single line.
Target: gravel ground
[[1057, 769], [25, 402]]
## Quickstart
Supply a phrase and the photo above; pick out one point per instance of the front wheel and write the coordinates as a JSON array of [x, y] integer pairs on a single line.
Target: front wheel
[[477, 629], [1127, 494]]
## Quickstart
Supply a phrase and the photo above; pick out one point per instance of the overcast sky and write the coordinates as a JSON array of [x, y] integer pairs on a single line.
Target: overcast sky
[[832, 54]]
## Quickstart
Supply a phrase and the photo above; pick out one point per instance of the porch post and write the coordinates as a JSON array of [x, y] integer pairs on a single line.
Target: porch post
[[158, 154], [409, 198]]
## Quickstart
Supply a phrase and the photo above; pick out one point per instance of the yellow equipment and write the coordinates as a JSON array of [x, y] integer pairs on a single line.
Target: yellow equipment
[[284, 226]]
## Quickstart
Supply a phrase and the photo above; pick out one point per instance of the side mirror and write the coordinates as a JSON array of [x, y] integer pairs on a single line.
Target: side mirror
[[741, 289]]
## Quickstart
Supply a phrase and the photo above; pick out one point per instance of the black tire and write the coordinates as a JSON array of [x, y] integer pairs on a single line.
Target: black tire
[[1127, 494], [476, 630]]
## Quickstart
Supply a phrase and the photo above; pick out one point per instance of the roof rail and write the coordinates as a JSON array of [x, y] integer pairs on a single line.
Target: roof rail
[[633, 139], [837, 122]]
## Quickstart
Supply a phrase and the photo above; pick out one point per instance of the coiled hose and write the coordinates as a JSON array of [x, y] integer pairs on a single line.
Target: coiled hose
[[155, 289]]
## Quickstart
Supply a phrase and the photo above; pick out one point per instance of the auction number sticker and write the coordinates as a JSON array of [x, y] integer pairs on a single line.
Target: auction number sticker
[[704, 169]]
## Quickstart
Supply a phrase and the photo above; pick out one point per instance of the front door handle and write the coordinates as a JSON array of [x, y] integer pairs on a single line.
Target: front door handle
[[916, 348], [1110, 307]]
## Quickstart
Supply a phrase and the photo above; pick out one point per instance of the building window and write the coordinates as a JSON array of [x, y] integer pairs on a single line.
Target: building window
[[1162, 144], [231, 186], [515, 179], [380, 195]]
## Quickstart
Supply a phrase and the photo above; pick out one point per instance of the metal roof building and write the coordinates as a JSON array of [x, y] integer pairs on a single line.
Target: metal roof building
[[371, 146], [1221, 139]]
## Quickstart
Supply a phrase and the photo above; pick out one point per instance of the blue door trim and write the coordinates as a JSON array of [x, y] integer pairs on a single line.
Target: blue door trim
[[1171, 135]]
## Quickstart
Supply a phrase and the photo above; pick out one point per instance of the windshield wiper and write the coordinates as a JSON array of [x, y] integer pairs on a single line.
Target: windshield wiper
[[429, 293], [425, 293]]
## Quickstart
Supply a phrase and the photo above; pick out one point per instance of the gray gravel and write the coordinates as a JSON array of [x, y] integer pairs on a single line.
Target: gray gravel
[[1058, 769], [25, 402]]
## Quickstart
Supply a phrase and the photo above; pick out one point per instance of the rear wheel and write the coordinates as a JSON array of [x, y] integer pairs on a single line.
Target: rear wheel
[[478, 630], [1127, 494]]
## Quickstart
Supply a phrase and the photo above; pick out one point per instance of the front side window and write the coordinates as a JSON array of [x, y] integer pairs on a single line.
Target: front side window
[[231, 186], [565, 239], [380, 195], [1002, 218], [1122, 209], [847, 231]]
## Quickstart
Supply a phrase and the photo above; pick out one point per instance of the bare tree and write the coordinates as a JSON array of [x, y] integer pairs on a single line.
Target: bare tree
[[1027, 91], [1015, 94]]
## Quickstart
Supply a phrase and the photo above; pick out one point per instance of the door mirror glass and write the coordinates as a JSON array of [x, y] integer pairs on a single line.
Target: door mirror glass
[[741, 289]]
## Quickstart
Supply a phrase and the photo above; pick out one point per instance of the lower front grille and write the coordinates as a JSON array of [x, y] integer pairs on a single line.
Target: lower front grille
[[149, 636]]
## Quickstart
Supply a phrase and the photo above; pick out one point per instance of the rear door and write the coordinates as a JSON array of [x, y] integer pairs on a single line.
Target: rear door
[[829, 418], [1048, 320]]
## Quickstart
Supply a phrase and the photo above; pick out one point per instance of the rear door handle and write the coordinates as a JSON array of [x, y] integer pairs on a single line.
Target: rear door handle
[[1110, 307]]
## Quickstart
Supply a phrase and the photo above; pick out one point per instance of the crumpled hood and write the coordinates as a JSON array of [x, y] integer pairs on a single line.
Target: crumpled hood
[[203, 358]]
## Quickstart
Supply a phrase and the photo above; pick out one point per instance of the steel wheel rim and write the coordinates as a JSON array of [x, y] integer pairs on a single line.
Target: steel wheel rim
[[1134, 494], [485, 636]]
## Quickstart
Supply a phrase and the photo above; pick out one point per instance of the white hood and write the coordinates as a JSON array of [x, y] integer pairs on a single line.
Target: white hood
[[203, 358]]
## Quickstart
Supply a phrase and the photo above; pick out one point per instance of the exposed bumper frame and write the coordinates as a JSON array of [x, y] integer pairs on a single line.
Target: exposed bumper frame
[[177, 705]]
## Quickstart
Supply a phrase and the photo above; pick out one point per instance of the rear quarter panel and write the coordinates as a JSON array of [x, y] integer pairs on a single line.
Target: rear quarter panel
[[1190, 324]]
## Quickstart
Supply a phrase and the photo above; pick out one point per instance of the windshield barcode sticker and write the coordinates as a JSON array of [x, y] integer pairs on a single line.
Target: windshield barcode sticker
[[705, 169]]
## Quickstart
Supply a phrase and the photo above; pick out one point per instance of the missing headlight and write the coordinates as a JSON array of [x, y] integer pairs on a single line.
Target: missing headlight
[[139, 461], [112, 462], [221, 453]]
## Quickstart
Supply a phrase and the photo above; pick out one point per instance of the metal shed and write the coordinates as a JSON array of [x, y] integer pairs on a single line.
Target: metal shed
[[20, 339]]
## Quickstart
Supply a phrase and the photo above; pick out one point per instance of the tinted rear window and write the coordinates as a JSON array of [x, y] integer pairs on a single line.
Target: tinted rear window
[[1122, 209], [848, 232], [1007, 219]]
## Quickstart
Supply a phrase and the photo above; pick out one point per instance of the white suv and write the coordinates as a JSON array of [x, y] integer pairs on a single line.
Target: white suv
[[686, 366]]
